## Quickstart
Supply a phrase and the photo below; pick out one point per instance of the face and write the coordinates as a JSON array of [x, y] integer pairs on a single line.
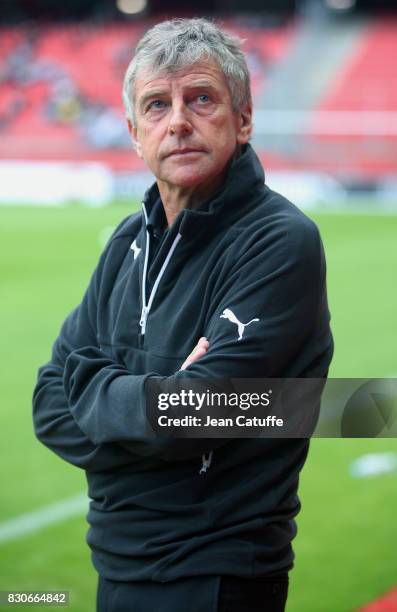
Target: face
[[186, 129]]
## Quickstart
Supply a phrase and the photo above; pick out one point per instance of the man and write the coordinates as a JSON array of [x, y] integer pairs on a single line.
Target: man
[[201, 524]]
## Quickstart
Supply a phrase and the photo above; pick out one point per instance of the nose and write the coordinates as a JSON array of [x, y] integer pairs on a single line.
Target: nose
[[179, 124]]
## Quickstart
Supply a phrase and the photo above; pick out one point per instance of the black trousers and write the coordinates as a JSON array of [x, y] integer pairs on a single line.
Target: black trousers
[[196, 594]]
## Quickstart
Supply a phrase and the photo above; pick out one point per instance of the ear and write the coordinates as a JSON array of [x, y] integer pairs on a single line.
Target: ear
[[245, 124], [133, 130]]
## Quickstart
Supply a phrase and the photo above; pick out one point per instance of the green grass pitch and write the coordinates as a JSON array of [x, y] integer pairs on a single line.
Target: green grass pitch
[[346, 550]]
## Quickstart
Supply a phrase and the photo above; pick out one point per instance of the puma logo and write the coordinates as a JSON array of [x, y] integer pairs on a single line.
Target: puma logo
[[228, 314], [135, 248]]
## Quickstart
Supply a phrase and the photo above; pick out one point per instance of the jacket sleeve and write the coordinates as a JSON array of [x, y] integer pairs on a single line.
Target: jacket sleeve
[[276, 284], [53, 422]]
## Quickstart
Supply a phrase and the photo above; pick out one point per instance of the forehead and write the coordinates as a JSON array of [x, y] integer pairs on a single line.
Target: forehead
[[199, 74]]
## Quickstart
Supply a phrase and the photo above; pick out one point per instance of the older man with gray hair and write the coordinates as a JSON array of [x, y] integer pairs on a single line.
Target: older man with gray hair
[[218, 277]]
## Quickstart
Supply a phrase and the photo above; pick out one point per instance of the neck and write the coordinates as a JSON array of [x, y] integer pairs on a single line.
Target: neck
[[175, 198]]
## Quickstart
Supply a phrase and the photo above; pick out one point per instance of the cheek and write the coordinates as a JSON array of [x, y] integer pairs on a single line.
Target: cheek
[[149, 147], [225, 143], [222, 132], [149, 137]]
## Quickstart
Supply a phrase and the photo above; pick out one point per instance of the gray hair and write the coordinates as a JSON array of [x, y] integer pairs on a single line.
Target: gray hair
[[175, 44]]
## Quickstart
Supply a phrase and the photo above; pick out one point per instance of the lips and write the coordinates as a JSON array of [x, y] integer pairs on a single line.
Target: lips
[[184, 151]]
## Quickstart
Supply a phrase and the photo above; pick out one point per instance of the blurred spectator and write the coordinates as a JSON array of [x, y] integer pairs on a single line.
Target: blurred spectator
[[105, 128], [64, 104]]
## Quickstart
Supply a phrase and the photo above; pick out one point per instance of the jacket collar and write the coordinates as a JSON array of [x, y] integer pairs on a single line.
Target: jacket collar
[[244, 181]]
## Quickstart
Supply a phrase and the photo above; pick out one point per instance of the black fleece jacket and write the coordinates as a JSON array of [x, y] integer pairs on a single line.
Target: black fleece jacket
[[154, 513]]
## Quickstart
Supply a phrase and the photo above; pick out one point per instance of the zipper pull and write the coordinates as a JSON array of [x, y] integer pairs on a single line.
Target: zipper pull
[[142, 322], [206, 462]]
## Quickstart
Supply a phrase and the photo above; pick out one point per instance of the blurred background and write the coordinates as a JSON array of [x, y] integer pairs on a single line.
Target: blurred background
[[324, 78]]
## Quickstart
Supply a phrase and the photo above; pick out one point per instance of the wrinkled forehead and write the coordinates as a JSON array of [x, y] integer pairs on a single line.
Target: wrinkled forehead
[[201, 72]]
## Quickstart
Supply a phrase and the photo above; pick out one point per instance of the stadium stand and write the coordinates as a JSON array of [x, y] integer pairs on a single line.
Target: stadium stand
[[362, 99], [60, 93], [367, 81], [60, 87]]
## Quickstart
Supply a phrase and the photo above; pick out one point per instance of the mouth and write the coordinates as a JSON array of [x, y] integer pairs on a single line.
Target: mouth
[[185, 152]]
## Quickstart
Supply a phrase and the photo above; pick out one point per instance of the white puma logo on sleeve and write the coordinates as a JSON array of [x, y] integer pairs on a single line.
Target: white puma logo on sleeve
[[228, 314]]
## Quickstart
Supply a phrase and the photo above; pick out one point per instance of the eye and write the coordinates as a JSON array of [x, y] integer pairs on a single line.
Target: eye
[[155, 105], [203, 98]]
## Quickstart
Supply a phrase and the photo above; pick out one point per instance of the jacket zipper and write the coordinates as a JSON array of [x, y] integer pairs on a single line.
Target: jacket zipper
[[206, 462], [206, 457], [147, 306]]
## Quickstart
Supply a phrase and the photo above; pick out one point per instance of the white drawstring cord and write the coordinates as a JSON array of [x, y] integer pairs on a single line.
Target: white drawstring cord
[[147, 306]]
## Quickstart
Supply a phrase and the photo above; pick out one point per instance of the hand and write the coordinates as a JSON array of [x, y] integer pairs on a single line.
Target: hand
[[199, 351]]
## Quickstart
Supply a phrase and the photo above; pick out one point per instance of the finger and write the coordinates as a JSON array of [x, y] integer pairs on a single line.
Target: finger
[[197, 352], [202, 344]]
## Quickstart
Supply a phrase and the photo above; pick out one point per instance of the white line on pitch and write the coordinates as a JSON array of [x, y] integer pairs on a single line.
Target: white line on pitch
[[31, 522]]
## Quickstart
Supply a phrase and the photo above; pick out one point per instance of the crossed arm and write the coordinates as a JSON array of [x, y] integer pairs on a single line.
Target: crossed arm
[[58, 430], [90, 410]]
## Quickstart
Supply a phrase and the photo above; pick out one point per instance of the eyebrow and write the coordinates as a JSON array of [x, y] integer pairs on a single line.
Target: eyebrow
[[155, 93], [202, 85]]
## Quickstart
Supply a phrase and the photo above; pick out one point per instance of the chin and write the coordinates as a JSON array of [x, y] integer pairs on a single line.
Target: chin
[[189, 179]]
